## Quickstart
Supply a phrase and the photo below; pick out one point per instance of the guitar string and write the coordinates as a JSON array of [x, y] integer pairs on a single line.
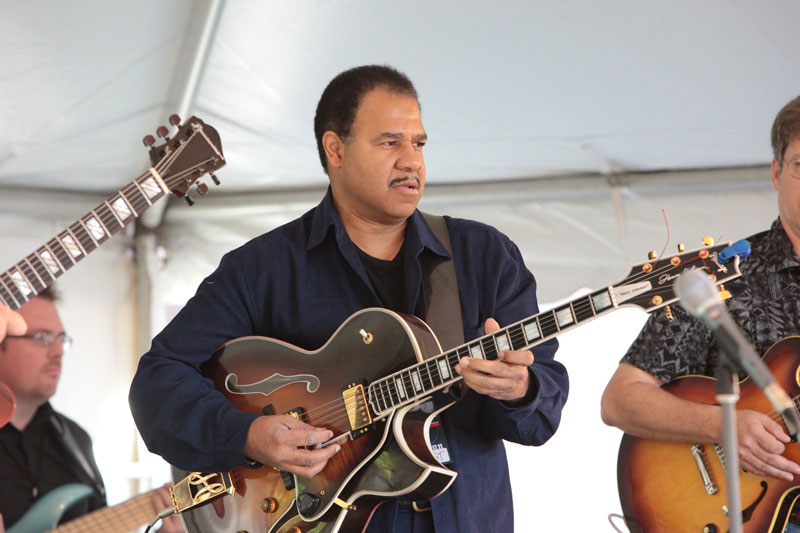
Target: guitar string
[[336, 410], [160, 166], [583, 305]]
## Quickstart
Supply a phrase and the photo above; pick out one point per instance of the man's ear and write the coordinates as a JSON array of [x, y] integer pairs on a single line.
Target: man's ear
[[334, 148], [775, 172]]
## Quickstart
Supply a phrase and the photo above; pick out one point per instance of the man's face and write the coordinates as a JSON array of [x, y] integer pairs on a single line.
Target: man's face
[[381, 173], [788, 191], [31, 370]]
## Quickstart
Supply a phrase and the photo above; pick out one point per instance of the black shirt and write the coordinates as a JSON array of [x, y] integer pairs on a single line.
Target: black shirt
[[36, 461], [386, 278]]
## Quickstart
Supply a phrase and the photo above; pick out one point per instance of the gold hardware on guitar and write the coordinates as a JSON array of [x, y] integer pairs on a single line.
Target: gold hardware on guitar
[[197, 488], [269, 505], [355, 402], [366, 336], [344, 505]]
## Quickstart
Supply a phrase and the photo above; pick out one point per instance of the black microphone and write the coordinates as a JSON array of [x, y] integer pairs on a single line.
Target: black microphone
[[700, 297]]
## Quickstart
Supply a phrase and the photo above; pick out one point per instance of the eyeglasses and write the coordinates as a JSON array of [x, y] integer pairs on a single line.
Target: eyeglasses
[[46, 339], [794, 167]]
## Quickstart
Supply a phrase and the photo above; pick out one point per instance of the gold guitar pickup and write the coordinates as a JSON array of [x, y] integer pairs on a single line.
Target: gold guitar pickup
[[197, 488], [355, 402]]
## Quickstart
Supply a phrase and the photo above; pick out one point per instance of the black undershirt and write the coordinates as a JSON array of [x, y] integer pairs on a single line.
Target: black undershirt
[[387, 278], [34, 462]]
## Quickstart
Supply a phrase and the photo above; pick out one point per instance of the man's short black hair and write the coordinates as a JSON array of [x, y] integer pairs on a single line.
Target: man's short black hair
[[337, 107]]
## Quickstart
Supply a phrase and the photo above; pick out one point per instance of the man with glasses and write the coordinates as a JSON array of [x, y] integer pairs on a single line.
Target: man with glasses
[[41, 449], [765, 303]]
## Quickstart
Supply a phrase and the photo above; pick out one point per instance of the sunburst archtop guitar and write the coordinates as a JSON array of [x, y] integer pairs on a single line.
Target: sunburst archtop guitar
[[676, 486]]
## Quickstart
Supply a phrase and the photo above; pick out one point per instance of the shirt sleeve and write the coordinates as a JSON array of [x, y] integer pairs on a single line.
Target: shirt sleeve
[[509, 295], [668, 348], [179, 413]]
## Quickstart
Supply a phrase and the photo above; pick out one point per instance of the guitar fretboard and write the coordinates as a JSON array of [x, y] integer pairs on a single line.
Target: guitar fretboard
[[40, 269], [420, 380], [121, 518]]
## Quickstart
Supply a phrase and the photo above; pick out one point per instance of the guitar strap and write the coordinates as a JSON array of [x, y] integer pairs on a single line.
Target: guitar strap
[[440, 290], [70, 443]]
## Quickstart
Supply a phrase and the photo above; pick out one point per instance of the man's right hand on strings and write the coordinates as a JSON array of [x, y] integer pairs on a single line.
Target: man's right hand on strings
[[285, 443]]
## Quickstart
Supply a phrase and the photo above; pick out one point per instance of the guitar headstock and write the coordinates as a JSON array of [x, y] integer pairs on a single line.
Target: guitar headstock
[[182, 159], [649, 285]]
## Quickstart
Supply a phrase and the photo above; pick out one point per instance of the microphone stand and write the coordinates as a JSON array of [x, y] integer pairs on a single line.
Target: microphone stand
[[727, 396]]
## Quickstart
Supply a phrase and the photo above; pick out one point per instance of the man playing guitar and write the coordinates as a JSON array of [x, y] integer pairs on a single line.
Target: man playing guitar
[[765, 303]]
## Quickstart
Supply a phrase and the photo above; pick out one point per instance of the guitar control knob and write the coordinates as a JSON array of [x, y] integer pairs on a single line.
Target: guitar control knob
[[710, 528], [681, 247], [202, 189], [215, 178], [708, 241], [162, 131], [307, 503], [148, 140], [174, 119], [189, 200], [652, 255], [269, 505]]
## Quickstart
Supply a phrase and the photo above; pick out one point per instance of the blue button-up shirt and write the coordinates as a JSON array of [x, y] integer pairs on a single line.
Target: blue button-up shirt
[[298, 283]]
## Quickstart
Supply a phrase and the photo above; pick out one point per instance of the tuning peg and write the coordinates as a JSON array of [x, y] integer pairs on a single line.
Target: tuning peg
[[174, 119], [202, 189], [652, 255], [708, 241], [681, 247], [162, 131], [189, 200], [149, 140], [215, 178]]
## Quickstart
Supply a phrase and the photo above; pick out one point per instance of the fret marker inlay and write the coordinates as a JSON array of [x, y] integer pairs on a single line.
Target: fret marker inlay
[[50, 263], [150, 188], [71, 246], [564, 317], [444, 370], [415, 379], [21, 283], [476, 351], [531, 330], [95, 229], [601, 301]]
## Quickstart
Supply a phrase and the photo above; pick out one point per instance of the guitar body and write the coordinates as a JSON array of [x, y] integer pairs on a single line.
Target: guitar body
[[47, 511], [260, 501], [660, 484], [390, 457]]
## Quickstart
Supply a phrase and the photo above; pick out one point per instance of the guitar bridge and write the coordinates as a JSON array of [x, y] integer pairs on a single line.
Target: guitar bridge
[[198, 488], [355, 402], [698, 452]]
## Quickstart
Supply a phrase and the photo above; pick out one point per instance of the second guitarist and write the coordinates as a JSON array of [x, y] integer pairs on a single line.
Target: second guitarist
[[365, 245], [765, 303]]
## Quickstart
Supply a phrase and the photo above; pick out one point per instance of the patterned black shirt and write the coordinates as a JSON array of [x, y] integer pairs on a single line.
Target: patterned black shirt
[[765, 303]]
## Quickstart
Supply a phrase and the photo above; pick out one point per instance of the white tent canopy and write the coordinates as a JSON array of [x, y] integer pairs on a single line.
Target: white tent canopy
[[589, 132]]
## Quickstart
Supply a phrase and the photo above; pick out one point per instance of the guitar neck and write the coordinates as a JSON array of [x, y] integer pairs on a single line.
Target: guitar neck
[[121, 518], [40, 269], [438, 372], [648, 286]]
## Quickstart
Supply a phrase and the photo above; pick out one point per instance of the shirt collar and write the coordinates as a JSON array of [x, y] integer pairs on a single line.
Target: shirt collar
[[781, 249], [418, 234]]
